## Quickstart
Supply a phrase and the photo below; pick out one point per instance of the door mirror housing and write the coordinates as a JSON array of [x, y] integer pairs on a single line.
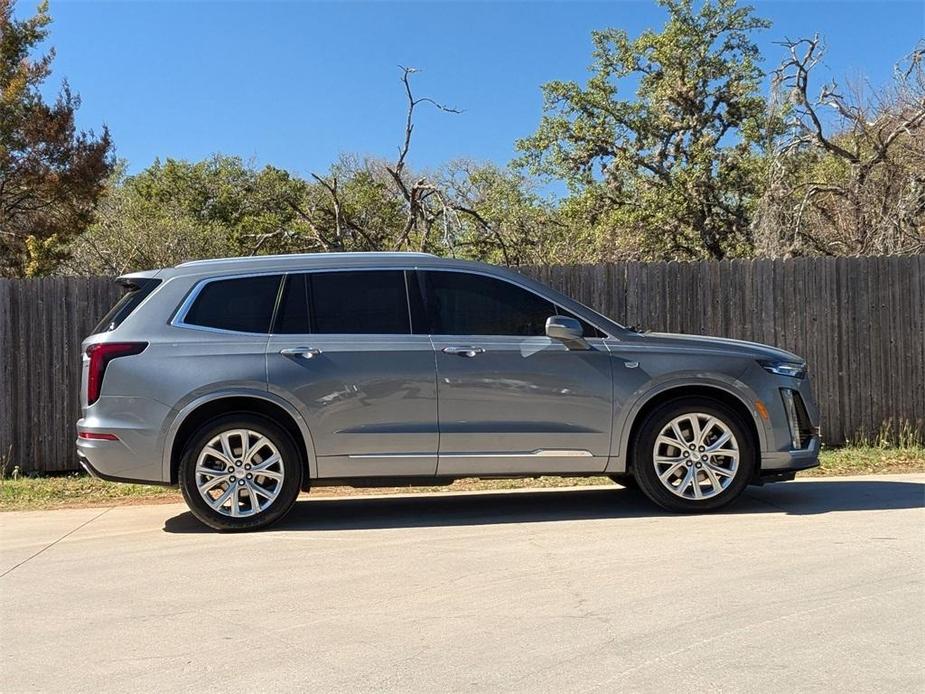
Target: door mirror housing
[[566, 330]]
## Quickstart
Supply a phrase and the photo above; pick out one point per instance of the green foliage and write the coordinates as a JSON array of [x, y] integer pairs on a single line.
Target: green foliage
[[501, 217], [51, 175], [670, 168], [176, 211], [668, 151]]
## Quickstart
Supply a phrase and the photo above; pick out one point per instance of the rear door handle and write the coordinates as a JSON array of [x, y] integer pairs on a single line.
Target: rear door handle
[[306, 352], [463, 351]]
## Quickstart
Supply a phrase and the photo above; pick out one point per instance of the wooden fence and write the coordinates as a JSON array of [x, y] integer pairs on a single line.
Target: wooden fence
[[860, 322], [42, 323]]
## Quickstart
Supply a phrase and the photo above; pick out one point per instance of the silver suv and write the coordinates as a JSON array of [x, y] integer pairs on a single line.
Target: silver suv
[[246, 380]]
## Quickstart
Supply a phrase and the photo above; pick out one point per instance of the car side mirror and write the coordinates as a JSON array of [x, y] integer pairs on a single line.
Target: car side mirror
[[567, 330]]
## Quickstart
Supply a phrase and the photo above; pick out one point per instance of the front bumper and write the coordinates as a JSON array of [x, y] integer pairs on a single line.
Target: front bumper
[[778, 466]]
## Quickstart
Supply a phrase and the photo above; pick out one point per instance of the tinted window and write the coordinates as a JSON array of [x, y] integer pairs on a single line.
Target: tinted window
[[369, 301], [292, 316], [419, 323], [243, 305], [460, 303], [134, 292]]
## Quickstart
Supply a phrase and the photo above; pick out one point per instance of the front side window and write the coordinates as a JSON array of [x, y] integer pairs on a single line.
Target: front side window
[[370, 302], [461, 303], [242, 304]]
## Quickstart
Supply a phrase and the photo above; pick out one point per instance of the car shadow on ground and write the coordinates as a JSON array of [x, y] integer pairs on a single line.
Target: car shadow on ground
[[490, 508]]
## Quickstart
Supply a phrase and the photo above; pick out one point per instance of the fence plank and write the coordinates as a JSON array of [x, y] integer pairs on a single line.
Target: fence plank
[[6, 374]]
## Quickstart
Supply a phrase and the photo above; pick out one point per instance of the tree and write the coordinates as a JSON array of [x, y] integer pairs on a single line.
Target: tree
[[466, 209], [176, 211], [501, 218], [674, 168], [51, 174], [426, 212], [848, 174]]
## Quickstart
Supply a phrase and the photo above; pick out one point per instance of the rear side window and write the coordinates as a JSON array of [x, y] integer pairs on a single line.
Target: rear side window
[[371, 302], [243, 304], [134, 292], [461, 303]]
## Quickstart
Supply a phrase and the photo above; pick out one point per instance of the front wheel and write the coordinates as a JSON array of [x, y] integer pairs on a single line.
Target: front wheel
[[240, 472], [693, 454]]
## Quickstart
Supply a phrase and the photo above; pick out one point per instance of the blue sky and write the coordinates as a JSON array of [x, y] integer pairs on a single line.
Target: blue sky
[[294, 84]]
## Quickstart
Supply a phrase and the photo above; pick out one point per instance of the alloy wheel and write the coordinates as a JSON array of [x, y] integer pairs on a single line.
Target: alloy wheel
[[239, 473], [696, 456]]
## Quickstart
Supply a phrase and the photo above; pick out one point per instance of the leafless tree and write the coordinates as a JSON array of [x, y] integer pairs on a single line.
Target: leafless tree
[[848, 177], [429, 214]]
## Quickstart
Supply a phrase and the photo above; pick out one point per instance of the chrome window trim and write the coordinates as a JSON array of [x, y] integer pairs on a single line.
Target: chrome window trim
[[538, 453], [178, 320], [179, 317]]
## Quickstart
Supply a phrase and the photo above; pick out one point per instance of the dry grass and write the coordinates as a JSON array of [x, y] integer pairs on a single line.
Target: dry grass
[[76, 491]]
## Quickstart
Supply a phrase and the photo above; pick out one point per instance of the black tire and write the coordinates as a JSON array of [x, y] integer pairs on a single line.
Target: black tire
[[625, 480], [291, 465], [644, 469]]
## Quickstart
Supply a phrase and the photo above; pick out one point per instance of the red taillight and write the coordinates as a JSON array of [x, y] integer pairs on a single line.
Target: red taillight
[[100, 355], [96, 436]]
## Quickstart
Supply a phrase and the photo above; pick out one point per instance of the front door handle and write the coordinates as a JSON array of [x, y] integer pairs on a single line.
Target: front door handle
[[463, 351], [306, 352]]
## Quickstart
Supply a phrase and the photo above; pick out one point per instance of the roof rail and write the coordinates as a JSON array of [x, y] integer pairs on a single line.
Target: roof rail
[[304, 256]]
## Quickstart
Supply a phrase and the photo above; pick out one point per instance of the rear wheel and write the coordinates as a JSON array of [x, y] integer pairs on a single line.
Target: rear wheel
[[693, 454], [240, 472]]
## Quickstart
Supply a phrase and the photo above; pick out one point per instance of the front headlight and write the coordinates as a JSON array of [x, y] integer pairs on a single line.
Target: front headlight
[[784, 368]]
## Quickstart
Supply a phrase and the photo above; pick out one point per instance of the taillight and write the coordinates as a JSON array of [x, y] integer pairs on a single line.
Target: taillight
[[96, 436], [100, 355]]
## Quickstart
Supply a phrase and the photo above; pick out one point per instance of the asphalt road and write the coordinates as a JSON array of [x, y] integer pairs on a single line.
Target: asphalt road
[[815, 585]]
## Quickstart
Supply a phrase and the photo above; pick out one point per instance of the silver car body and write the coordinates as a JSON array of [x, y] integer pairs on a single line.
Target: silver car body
[[388, 406]]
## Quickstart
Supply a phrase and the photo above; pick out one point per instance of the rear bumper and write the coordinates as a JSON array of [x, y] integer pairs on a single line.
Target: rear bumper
[[88, 466], [136, 453]]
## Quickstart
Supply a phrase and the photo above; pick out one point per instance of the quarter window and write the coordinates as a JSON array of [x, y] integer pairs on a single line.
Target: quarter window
[[461, 303], [243, 304]]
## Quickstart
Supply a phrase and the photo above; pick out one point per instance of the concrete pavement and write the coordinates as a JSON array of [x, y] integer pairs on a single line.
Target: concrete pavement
[[814, 585]]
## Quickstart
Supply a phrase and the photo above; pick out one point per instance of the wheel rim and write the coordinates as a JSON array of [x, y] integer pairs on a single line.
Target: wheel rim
[[696, 456], [239, 473]]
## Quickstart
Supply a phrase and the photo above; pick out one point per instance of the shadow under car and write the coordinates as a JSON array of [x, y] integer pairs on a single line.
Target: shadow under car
[[801, 497]]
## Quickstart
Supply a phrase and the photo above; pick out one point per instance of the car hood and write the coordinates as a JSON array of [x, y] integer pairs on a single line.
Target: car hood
[[722, 344]]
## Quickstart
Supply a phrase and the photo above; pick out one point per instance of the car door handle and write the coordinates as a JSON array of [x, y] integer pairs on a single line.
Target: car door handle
[[306, 352], [463, 351]]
